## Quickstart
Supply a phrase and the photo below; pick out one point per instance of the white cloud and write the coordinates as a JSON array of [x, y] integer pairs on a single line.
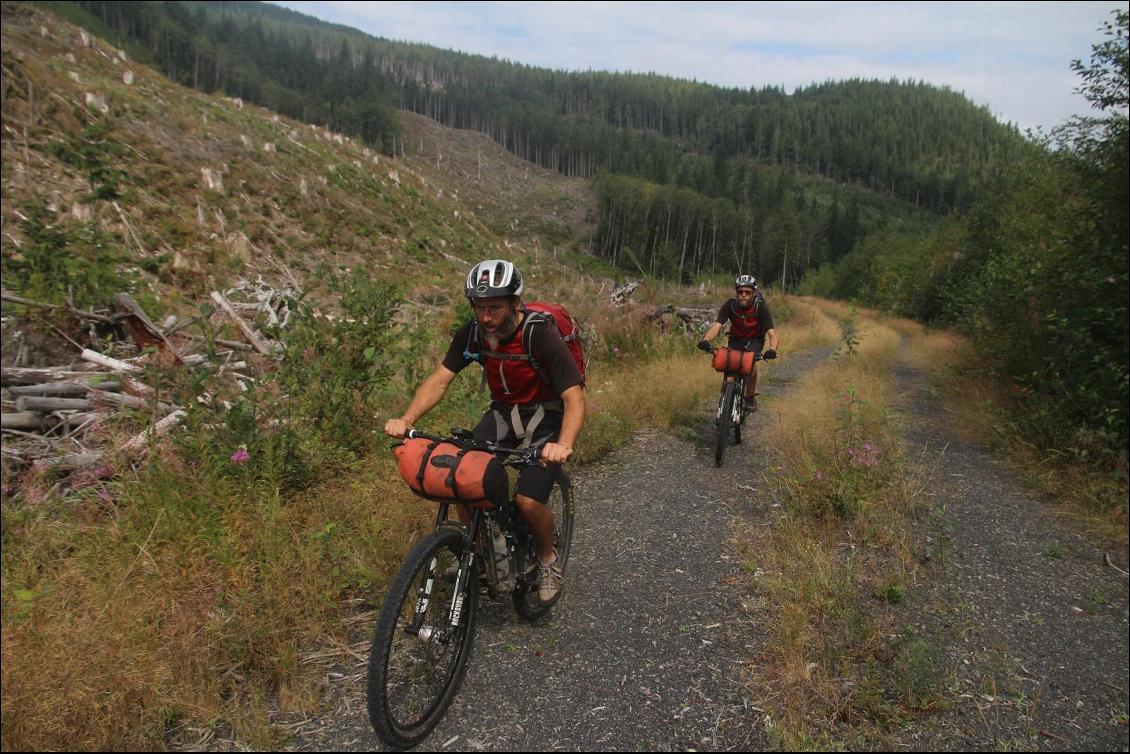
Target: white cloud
[[1012, 57]]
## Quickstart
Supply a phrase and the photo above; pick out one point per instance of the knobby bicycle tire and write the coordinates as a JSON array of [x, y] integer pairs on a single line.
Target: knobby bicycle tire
[[399, 661], [725, 423]]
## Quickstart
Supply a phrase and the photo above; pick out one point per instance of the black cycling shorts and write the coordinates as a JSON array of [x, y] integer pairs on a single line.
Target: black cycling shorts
[[534, 482], [747, 344]]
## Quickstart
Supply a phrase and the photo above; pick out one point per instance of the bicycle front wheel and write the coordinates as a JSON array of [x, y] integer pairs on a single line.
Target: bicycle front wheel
[[725, 423], [422, 640]]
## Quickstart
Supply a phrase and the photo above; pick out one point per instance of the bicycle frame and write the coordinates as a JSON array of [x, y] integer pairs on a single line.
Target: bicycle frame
[[507, 518]]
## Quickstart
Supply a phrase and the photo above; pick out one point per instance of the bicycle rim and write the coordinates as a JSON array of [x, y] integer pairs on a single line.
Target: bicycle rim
[[417, 658]]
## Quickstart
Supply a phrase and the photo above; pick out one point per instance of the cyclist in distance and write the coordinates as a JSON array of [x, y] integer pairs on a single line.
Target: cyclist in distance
[[751, 325], [537, 395]]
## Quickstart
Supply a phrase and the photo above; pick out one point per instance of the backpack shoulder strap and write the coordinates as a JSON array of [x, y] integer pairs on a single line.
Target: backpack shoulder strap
[[473, 339], [533, 318]]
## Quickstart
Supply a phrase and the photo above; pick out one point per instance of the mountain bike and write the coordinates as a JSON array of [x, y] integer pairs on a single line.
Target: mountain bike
[[735, 365], [423, 637]]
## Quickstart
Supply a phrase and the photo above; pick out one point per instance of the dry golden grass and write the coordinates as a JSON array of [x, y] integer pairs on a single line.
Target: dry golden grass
[[840, 537], [808, 327], [129, 629], [935, 351]]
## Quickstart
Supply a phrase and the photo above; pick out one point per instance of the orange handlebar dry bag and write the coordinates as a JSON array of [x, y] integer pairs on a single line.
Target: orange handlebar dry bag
[[446, 471], [733, 361]]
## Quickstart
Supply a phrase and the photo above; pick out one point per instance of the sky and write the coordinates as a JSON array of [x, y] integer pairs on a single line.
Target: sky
[[1012, 57]]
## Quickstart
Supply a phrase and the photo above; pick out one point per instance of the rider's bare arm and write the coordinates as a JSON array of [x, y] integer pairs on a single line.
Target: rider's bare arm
[[712, 333], [771, 340], [429, 393], [559, 452]]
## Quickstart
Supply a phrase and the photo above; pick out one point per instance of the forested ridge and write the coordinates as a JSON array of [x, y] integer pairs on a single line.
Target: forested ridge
[[746, 174]]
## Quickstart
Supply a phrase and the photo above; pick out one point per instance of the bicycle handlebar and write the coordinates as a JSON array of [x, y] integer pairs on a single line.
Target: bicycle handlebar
[[756, 356], [529, 455]]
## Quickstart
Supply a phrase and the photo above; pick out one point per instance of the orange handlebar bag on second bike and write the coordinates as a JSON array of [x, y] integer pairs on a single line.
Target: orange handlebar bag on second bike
[[736, 362], [444, 470]]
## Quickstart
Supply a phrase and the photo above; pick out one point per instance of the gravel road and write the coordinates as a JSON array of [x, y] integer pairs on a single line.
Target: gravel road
[[648, 645]]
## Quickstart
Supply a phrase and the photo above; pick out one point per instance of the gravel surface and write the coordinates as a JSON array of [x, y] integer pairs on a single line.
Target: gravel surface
[[1033, 626], [648, 645]]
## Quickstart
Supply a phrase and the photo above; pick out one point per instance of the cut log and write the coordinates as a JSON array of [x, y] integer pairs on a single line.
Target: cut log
[[22, 420], [138, 387], [253, 337], [70, 421], [140, 441], [57, 389], [69, 462], [35, 376], [132, 401], [235, 344], [118, 366], [31, 403]]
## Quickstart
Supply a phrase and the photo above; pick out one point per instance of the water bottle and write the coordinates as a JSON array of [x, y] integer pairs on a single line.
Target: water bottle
[[501, 557]]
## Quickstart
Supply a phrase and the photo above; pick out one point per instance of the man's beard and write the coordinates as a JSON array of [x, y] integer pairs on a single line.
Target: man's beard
[[503, 332]]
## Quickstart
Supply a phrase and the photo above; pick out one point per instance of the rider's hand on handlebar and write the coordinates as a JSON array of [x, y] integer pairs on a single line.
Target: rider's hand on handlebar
[[397, 428], [770, 354], [704, 345], [553, 452]]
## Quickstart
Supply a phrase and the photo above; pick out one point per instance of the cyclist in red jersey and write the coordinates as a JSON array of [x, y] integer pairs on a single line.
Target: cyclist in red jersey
[[751, 326], [537, 397]]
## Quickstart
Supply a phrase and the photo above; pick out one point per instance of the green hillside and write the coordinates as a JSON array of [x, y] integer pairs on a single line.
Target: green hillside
[[757, 174]]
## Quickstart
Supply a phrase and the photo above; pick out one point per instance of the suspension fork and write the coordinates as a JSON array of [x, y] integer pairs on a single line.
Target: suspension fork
[[424, 597], [470, 537]]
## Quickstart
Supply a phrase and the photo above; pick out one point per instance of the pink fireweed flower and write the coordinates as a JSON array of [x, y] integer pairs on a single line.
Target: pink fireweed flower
[[868, 455], [241, 456]]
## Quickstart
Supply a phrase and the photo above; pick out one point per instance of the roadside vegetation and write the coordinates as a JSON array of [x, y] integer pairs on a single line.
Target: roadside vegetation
[[840, 550], [852, 529], [1036, 275]]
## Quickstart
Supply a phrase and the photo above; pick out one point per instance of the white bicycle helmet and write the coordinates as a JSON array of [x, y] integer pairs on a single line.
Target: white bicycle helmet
[[493, 277], [745, 281]]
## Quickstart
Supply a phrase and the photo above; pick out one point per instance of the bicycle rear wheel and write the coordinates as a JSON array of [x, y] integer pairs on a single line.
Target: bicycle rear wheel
[[725, 423], [422, 640], [560, 502]]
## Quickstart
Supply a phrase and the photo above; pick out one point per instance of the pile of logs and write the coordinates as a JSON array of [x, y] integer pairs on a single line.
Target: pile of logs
[[52, 417], [622, 292], [690, 320]]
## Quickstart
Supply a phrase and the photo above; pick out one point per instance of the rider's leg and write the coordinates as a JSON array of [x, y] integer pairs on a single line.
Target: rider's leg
[[756, 345], [550, 574], [540, 520]]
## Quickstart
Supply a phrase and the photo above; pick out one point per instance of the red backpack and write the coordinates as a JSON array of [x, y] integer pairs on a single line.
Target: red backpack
[[538, 312], [566, 325]]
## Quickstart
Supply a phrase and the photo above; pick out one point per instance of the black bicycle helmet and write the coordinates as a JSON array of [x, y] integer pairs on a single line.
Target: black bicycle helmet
[[493, 277]]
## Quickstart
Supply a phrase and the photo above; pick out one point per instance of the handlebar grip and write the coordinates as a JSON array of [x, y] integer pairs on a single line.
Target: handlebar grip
[[415, 434]]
